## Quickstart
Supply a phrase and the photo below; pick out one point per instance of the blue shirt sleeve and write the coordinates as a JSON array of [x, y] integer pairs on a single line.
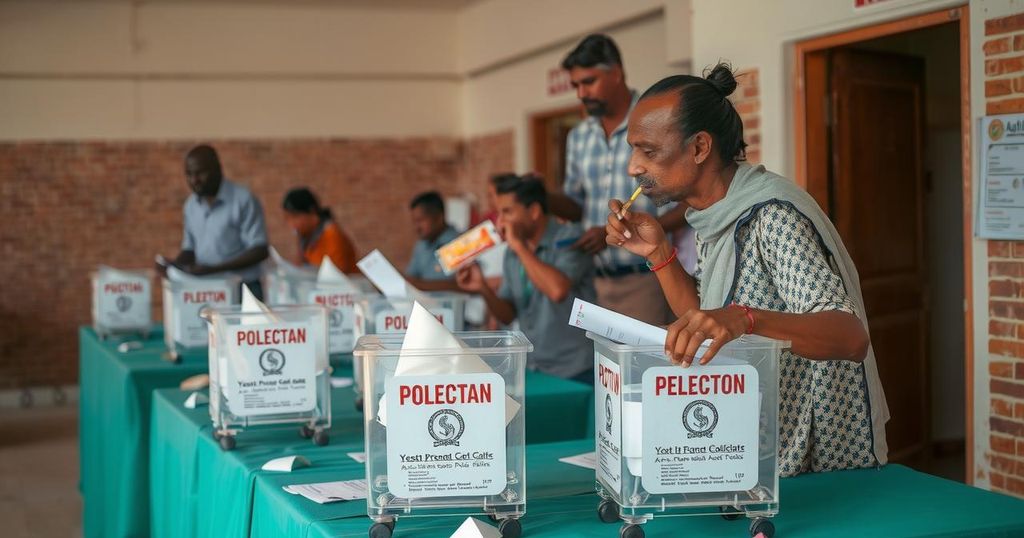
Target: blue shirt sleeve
[[252, 228], [187, 241]]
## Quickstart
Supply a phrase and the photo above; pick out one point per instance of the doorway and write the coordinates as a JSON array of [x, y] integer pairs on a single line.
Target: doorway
[[548, 132], [880, 124]]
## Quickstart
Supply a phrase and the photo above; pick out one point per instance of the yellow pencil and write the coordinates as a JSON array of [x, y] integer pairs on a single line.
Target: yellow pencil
[[625, 206]]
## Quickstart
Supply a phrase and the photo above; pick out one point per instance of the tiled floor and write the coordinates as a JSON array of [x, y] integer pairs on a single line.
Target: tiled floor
[[39, 473]]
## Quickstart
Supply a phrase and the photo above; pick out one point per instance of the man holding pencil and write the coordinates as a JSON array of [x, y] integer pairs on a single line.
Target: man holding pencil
[[596, 162], [541, 275]]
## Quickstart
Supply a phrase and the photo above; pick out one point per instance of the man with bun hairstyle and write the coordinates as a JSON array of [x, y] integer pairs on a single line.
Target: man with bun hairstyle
[[770, 263]]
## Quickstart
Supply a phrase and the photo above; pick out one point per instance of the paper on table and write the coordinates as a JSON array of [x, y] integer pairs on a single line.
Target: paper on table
[[426, 332], [587, 460], [341, 382], [474, 528], [196, 399], [330, 275], [328, 492], [358, 456], [286, 464], [379, 270]]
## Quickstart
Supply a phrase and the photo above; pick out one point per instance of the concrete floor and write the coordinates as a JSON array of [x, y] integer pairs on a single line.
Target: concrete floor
[[39, 473]]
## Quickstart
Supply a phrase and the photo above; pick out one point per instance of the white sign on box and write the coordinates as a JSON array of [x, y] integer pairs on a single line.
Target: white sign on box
[[278, 371], [394, 320], [122, 299], [700, 429], [190, 330], [608, 415], [446, 436]]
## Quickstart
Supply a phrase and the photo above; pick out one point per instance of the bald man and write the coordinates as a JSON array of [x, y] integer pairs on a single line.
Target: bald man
[[225, 233]]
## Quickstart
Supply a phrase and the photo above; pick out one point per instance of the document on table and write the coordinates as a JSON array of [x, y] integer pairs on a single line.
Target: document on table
[[587, 460], [382, 274], [329, 492]]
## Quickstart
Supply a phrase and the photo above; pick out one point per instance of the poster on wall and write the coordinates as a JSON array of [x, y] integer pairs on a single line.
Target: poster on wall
[[1001, 201]]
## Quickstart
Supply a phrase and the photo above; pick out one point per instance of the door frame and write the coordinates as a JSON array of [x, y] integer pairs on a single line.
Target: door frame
[[538, 140], [809, 68]]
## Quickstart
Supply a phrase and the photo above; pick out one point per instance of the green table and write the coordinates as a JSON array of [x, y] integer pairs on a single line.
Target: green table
[[196, 489], [889, 502], [114, 409]]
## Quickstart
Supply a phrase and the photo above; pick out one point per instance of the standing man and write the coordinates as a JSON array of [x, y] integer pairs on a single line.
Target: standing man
[[596, 163], [541, 275], [224, 227], [424, 271]]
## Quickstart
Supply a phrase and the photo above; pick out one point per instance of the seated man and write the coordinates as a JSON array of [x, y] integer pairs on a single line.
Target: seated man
[[542, 274], [424, 271], [224, 227]]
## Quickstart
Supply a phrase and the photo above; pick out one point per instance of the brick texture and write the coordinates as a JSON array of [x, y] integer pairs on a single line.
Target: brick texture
[[747, 100], [67, 207], [1004, 94]]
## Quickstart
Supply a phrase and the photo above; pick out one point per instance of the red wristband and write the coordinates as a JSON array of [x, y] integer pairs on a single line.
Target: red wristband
[[750, 316], [662, 265]]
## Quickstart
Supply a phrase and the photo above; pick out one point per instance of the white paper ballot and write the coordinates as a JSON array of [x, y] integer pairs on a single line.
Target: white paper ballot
[[427, 333], [330, 275], [284, 265], [358, 456], [587, 460], [341, 382], [632, 434], [379, 270], [615, 326], [286, 464], [196, 399], [328, 492], [474, 528]]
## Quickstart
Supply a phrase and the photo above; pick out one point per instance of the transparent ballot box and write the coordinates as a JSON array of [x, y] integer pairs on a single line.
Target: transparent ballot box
[[675, 441], [184, 329], [285, 286], [269, 369], [381, 315], [340, 303], [445, 429], [121, 301]]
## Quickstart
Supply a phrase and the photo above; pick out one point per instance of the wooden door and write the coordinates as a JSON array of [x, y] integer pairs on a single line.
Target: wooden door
[[877, 102], [549, 132]]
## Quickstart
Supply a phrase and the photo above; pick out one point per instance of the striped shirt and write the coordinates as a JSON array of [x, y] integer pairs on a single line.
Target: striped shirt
[[597, 170]]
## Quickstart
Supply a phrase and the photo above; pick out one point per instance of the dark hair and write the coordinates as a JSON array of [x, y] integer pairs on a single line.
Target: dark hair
[[498, 179], [206, 155], [302, 200], [431, 202], [528, 190], [595, 49], [704, 106]]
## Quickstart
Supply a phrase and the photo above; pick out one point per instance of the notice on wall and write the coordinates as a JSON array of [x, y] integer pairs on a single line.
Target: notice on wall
[[1001, 201]]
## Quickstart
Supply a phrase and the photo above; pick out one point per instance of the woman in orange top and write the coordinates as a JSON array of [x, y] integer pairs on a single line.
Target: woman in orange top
[[319, 235]]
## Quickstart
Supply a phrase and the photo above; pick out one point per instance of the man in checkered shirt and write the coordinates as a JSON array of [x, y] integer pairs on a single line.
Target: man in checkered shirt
[[596, 171]]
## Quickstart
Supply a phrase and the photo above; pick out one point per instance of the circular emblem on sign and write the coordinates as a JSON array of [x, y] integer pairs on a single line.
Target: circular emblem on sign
[[335, 318], [700, 418], [123, 303], [608, 413], [446, 427], [996, 129], [271, 361]]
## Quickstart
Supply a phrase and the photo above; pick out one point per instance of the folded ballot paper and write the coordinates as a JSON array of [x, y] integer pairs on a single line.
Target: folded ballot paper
[[382, 274], [330, 275], [467, 247], [427, 333], [329, 492]]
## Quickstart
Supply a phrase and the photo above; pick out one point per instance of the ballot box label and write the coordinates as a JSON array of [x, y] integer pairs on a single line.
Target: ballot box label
[[446, 435], [339, 318], [608, 412], [397, 321], [700, 428], [190, 330], [123, 302], [270, 369]]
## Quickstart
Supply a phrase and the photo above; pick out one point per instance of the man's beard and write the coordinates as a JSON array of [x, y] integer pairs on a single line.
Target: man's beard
[[650, 184], [595, 107]]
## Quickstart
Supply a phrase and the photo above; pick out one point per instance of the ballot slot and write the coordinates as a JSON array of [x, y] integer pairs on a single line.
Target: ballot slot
[[284, 287], [268, 368], [445, 427], [381, 315], [121, 301], [183, 300], [674, 441]]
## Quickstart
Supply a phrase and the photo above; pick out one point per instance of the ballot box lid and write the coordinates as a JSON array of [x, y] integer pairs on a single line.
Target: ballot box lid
[[474, 343]]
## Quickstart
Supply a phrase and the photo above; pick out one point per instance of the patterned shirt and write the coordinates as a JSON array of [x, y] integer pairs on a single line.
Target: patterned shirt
[[597, 170], [824, 415]]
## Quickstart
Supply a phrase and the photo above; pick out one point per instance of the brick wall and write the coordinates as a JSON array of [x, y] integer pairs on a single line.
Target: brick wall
[[66, 207], [747, 101], [482, 157], [1004, 94]]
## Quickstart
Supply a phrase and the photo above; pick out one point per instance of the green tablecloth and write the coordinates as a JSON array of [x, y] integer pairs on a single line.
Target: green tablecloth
[[114, 429], [198, 490]]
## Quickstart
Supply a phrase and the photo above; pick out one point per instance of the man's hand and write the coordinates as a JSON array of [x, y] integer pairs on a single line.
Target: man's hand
[[513, 236], [470, 278], [592, 241], [688, 332], [638, 233], [198, 269]]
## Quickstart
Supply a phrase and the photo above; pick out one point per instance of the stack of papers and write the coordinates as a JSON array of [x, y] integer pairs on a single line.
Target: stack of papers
[[329, 492]]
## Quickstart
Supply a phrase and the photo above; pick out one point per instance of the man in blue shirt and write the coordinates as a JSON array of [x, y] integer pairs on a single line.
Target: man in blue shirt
[[424, 271], [541, 276], [224, 230]]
